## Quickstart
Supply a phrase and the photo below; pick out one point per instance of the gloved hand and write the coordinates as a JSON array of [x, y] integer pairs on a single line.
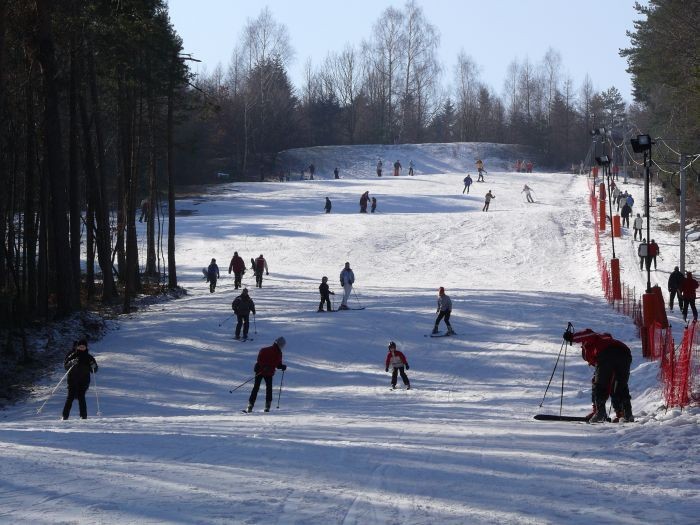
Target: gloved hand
[[386, 369], [256, 368], [407, 367], [568, 336], [267, 273], [283, 367], [94, 368]]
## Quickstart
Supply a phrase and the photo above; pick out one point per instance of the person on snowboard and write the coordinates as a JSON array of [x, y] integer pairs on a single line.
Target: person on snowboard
[[328, 205], [467, 183], [528, 193], [347, 278], [212, 275], [237, 266], [487, 201], [397, 361], [242, 306], [260, 267], [79, 364], [364, 199], [611, 359], [269, 360], [444, 310]]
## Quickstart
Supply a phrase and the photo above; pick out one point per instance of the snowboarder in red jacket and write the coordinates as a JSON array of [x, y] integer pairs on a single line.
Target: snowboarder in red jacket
[[397, 361], [612, 360], [269, 360]]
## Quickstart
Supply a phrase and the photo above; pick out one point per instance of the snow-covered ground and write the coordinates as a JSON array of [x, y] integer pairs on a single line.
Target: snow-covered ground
[[461, 447]]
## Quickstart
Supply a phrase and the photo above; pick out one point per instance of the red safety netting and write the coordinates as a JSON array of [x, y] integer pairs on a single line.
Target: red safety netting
[[679, 370]]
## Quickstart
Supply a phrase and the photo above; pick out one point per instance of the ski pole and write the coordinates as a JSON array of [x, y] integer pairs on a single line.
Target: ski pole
[[279, 394], [229, 317], [568, 328], [255, 326], [97, 397], [54, 390], [244, 383], [356, 297]]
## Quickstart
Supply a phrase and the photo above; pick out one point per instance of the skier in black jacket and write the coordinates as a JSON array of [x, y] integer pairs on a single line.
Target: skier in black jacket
[[326, 293], [674, 286], [79, 364], [242, 306]]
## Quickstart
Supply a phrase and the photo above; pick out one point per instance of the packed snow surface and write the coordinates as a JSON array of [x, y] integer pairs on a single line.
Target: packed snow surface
[[460, 447]]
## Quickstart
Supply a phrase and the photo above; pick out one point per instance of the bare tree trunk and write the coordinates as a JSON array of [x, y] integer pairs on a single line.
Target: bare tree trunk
[[67, 297], [29, 191], [3, 269], [151, 271], [101, 202], [73, 163], [172, 270]]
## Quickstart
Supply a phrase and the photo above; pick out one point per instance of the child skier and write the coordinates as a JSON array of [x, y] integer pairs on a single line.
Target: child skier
[[444, 310], [326, 293], [212, 275], [374, 205], [397, 361], [467, 183]]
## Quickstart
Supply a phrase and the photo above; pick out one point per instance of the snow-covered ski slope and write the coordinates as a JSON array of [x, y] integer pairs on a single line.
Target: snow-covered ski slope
[[461, 447], [360, 161]]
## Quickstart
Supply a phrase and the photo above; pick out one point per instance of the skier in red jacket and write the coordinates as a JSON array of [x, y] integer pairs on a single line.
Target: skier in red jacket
[[397, 361], [237, 266], [612, 360], [688, 287], [269, 359]]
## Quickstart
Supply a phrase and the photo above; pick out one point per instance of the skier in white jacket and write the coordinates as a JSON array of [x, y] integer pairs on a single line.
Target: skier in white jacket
[[347, 278]]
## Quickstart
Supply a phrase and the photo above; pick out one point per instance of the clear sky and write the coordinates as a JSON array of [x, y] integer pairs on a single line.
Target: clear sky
[[587, 34]]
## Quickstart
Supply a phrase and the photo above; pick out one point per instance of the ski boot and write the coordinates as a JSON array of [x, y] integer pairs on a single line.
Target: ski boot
[[435, 330], [619, 416], [600, 416], [450, 331], [267, 408], [249, 409], [408, 387]]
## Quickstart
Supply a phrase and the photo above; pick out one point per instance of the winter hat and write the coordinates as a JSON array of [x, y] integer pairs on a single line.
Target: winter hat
[[392, 344], [442, 289], [245, 291], [213, 260], [281, 342], [81, 342], [324, 278]]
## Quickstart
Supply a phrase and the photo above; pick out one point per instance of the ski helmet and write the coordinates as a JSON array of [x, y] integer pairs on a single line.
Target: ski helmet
[[324, 278], [392, 344], [281, 342], [442, 289]]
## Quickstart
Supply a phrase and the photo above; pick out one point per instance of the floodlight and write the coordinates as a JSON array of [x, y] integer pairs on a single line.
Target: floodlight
[[641, 144]]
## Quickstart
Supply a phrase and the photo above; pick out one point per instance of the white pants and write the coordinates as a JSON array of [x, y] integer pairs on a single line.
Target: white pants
[[348, 288]]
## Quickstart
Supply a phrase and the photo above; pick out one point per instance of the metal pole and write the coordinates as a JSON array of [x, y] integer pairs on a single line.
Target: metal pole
[[647, 164], [682, 232], [612, 230]]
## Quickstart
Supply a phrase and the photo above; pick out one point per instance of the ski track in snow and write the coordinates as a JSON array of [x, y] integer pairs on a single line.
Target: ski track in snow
[[460, 447]]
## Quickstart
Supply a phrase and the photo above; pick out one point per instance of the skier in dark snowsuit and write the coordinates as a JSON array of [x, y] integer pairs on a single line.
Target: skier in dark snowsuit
[[612, 360], [688, 289], [364, 199], [326, 293], [237, 266], [397, 361], [260, 266], [212, 275], [79, 363], [328, 205], [242, 306], [467, 183], [374, 205], [674, 288], [269, 360]]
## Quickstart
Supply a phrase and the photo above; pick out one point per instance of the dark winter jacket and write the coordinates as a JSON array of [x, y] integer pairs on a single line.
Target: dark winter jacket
[[328, 205], [626, 210], [237, 265], [269, 359], [213, 272], [243, 305], [688, 286], [675, 280], [324, 290], [364, 199], [80, 363], [653, 249], [261, 265]]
